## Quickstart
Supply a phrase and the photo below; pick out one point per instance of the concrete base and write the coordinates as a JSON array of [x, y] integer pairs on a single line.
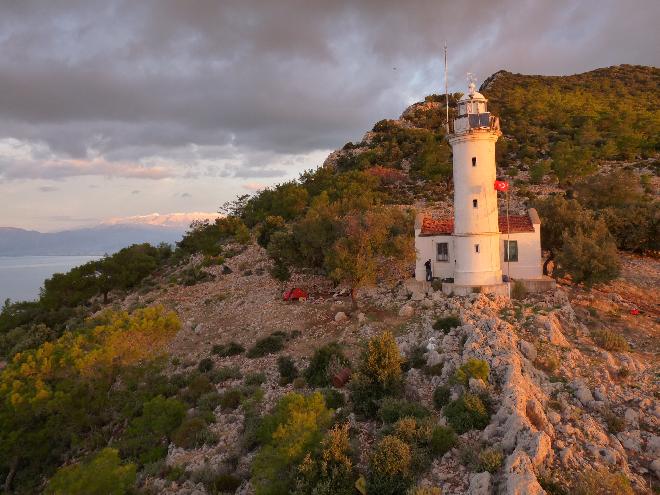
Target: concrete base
[[537, 284], [464, 290]]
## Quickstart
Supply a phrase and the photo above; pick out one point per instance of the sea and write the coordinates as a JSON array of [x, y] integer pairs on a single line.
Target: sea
[[21, 277]]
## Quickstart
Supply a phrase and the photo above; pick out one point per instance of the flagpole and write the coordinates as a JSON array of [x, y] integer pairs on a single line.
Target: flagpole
[[508, 242], [446, 91]]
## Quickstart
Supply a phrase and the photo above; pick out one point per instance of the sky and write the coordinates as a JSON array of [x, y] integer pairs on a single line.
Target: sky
[[118, 109]]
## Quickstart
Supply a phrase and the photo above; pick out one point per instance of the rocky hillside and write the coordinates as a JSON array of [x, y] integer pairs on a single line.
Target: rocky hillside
[[565, 401]]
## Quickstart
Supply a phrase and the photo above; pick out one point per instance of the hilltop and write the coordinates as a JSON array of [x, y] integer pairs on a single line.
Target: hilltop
[[184, 372]]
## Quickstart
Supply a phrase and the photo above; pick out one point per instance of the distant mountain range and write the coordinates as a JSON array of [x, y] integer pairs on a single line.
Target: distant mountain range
[[87, 241]]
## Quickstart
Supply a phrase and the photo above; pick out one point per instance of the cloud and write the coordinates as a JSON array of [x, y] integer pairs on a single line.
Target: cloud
[[48, 188], [186, 195], [254, 186], [178, 219], [169, 89], [135, 192]]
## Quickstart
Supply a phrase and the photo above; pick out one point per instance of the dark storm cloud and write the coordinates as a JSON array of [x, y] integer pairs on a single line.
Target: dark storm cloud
[[228, 88]]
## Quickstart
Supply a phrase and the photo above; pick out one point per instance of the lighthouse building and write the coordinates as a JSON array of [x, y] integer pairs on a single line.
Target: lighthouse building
[[478, 247]]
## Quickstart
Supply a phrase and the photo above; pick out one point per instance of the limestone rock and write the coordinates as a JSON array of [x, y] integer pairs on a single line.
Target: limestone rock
[[519, 476], [632, 417], [480, 484], [406, 311], [433, 358], [655, 467], [528, 349], [341, 317]]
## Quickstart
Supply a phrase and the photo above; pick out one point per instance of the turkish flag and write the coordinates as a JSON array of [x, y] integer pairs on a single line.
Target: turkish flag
[[501, 185]]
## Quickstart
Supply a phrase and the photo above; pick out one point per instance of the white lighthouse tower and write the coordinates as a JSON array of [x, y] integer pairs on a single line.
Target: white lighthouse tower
[[476, 235]]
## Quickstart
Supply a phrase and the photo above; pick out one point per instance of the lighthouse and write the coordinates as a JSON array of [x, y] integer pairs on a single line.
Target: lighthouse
[[476, 232], [472, 250]]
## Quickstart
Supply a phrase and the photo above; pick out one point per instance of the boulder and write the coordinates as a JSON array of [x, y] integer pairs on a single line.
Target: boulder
[[583, 394], [655, 467], [479, 484], [632, 417], [433, 358], [341, 317], [406, 311], [528, 349], [519, 476]]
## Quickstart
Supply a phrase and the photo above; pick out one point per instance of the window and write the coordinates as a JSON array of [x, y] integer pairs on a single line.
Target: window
[[442, 251], [474, 161], [476, 248], [474, 203], [510, 250]]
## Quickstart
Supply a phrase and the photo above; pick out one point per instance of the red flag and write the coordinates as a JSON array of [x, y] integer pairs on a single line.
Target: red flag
[[501, 185]]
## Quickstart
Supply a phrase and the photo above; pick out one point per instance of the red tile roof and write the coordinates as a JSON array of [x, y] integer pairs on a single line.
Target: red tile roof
[[445, 226]]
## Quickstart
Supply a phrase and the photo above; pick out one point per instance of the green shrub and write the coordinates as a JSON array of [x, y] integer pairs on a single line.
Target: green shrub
[[602, 482], [146, 437], [329, 356], [205, 365], [390, 467], [225, 373], [610, 341], [442, 440], [226, 350], [103, 474], [192, 433], [490, 460], [254, 379], [615, 424], [287, 368], [381, 361], [416, 358], [198, 386], [231, 399], [441, 396], [208, 402], [299, 383], [329, 472], [435, 370], [467, 413], [224, 483], [518, 291], [268, 345], [447, 323], [295, 428], [392, 410], [334, 399], [474, 368]]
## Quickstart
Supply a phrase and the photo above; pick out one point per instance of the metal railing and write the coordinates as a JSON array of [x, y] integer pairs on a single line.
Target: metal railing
[[474, 121]]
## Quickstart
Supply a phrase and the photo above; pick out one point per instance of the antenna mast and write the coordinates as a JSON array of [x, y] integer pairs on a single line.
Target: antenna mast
[[446, 91]]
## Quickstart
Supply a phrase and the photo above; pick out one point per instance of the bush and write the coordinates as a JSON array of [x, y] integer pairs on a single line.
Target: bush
[[224, 483], [467, 413], [392, 410], [447, 323], [442, 440], [268, 345], [287, 368], [192, 433], [225, 373], [417, 358], [198, 386], [490, 460], [615, 424], [474, 368], [208, 402], [610, 341], [329, 356], [205, 365], [390, 467], [254, 379], [226, 350], [518, 291], [334, 399], [602, 482], [231, 399], [441, 396], [299, 383], [103, 474], [146, 437], [295, 428], [381, 361], [331, 472]]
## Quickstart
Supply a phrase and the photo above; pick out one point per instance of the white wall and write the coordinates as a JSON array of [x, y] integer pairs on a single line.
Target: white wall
[[426, 249], [530, 261]]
